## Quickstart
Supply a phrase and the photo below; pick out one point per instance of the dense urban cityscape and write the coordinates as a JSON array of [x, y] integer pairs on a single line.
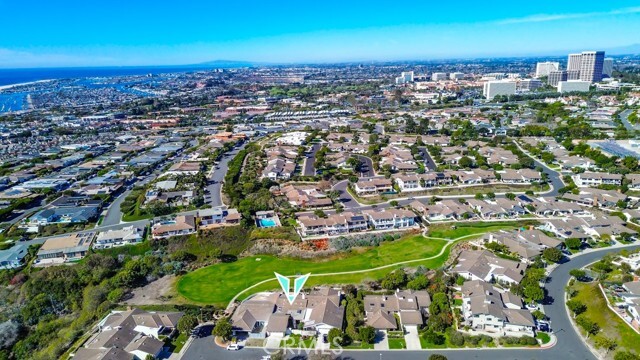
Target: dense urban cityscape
[[484, 207]]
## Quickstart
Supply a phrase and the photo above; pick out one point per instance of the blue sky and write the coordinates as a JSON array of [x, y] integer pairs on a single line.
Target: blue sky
[[142, 32]]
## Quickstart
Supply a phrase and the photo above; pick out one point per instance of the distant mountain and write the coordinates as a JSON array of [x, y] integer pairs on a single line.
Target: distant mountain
[[228, 64], [624, 50]]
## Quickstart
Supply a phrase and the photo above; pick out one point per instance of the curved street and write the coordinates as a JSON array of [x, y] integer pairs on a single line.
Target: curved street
[[569, 346]]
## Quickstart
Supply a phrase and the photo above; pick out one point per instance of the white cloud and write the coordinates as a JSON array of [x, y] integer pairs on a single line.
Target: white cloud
[[555, 17]]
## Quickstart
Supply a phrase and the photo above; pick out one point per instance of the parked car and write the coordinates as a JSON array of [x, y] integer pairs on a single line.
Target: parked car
[[543, 326], [233, 347]]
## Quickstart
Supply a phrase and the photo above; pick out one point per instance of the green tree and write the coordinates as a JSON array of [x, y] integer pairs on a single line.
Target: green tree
[[187, 323], [433, 337], [579, 274], [576, 307], [588, 325], [534, 293], [394, 280], [625, 355], [510, 196], [223, 329], [573, 243], [456, 339], [367, 334], [608, 344], [465, 162], [552, 254], [437, 357], [439, 304], [420, 282]]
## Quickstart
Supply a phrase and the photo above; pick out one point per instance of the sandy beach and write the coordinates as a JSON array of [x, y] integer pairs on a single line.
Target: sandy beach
[[5, 87]]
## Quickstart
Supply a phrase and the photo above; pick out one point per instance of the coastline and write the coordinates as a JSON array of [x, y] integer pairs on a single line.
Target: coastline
[[10, 86]]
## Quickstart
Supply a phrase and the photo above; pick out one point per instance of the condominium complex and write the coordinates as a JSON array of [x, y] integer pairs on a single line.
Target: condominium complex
[[456, 76]]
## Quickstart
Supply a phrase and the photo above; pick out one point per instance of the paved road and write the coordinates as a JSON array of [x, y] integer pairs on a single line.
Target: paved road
[[367, 166], [555, 178], [348, 201], [569, 346], [216, 178], [624, 116], [428, 160], [310, 160], [114, 215]]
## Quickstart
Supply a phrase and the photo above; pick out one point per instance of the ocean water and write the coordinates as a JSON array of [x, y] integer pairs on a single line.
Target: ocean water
[[18, 101], [18, 76]]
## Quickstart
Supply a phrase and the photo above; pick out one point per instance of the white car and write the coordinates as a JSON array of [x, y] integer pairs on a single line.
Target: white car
[[233, 347]]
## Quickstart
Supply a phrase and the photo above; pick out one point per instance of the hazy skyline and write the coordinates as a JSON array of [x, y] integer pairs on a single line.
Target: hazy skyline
[[81, 33]]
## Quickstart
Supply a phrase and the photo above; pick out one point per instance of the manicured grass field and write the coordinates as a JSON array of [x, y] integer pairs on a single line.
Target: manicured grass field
[[612, 326], [446, 231], [218, 284]]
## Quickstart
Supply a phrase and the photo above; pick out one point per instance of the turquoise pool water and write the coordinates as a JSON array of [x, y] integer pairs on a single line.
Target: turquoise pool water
[[267, 223]]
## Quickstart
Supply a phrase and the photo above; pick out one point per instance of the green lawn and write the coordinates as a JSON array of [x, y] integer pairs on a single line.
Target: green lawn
[[219, 283], [543, 337], [295, 341], [358, 345], [612, 326], [176, 344], [446, 231], [397, 344]]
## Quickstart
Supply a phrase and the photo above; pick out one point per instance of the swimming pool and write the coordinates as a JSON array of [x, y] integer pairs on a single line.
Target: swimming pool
[[267, 223]]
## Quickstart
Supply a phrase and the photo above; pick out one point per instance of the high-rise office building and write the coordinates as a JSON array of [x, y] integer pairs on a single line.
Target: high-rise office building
[[607, 68], [574, 62], [556, 76], [544, 68], [573, 75], [498, 87], [591, 64]]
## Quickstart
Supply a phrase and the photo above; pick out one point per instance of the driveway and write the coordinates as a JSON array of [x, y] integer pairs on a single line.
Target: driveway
[[412, 338], [428, 160], [309, 168], [114, 215], [273, 341], [381, 341], [367, 166], [216, 177]]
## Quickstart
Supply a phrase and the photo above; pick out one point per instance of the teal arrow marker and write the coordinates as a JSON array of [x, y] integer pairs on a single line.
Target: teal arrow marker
[[285, 284]]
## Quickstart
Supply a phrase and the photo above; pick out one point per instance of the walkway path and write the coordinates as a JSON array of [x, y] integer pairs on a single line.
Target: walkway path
[[442, 251]]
